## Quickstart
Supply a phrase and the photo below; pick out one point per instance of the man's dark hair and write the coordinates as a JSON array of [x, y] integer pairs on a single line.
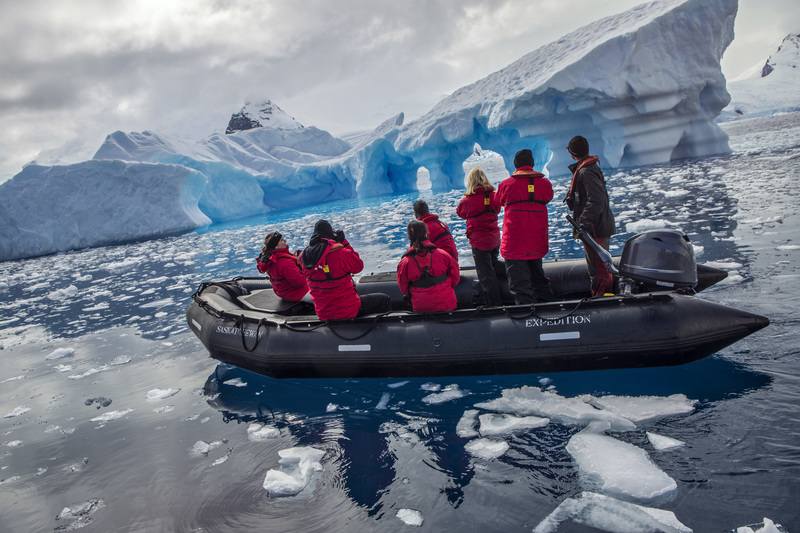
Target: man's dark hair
[[420, 208]]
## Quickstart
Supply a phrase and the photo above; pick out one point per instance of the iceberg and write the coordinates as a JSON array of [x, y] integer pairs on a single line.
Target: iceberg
[[644, 86]]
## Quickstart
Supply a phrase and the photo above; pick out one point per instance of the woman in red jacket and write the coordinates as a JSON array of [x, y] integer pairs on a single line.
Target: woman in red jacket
[[479, 207], [329, 263], [427, 274], [282, 267]]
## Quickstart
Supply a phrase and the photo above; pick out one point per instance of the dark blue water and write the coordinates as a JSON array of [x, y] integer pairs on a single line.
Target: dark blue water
[[86, 336]]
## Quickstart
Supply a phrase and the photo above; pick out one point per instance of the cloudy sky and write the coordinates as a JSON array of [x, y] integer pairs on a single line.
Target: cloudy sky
[[73, 71]]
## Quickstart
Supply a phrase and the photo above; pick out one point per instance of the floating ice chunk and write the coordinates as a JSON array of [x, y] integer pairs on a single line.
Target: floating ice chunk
[[431, 387], [60, 353], [121, 360], [724, 265], [487, 448], [202, 447], [410, 517], [569, 411], [161, 394], [158, 303], [617, 468], [89, 372], [397, 385], [646, 224], [384, 401], [788, 247], [498, 424], [121, 266], [609, 514], [466, 426], [21, 410], [235, 382], [81, 513], [662, 443], [15, 378], [768, 527], [63, 294], [111, 415], [331, 407], [298, 466], [641, 408], [14, 443], [451, 392], [258, 432]]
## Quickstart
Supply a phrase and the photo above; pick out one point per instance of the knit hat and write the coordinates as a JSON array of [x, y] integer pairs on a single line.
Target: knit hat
[[578, 146], [524, 158], [323, 228]]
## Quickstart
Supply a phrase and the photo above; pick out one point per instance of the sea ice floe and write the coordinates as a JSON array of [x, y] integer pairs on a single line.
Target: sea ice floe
[[81, 514], [258, 432], [111, 415], [610, 514], [642, 408], [297, 468], [499, 424], [161, 394], [383, 403], [21, 410], [63, 294], [617, 468], [235, 382], [487, 448], [201, 448], [410, 517], [646, 224], [568, 411], [451, 392], [60, 353], [466, 425], [662, 443], [769, 526]]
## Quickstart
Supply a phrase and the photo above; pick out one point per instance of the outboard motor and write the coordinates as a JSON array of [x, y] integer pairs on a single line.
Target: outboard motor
[[658, 260]]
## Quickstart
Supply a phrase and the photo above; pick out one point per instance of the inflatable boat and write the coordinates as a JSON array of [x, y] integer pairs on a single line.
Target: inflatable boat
[[653, 319]]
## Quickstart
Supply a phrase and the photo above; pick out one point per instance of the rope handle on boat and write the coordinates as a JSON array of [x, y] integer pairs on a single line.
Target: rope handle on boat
[[533, 313], [240, 324], [364, 334]]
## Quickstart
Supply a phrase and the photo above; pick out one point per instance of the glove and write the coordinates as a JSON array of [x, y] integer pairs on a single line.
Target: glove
[[588, 227], [339, 235]]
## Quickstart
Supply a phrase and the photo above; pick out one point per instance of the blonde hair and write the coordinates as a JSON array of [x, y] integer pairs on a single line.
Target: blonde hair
[[475, 179]]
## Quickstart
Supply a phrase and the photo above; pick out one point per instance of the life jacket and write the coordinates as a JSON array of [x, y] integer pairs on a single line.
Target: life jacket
[[320, 273], [426, 280], [487, 195], [531, 190], [571, 194]]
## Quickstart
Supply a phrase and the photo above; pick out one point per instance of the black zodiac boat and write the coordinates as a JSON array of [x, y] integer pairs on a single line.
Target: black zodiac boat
[[654, 319]]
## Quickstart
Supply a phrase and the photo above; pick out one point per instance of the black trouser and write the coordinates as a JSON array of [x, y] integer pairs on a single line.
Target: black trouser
[[527, 282], [486, 268], [376, 302]]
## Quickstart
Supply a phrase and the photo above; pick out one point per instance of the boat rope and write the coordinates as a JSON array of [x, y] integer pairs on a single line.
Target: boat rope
[[438, 316], [532, 313], [372, 326], [240, 324]]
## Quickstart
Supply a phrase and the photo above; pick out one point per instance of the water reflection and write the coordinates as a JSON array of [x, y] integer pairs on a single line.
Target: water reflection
[[372, 422]]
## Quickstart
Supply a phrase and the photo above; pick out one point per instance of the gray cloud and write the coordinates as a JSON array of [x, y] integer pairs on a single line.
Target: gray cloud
[[74, 71]]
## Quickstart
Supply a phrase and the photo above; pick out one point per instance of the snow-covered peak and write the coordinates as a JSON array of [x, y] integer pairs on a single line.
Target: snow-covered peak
[[260, 115], [787, 56], [768, 87]]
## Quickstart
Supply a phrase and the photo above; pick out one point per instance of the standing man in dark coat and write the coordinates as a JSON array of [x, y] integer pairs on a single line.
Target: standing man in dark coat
[[588, 200]]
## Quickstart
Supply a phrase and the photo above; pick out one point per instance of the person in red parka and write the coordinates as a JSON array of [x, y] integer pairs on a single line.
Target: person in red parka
[[438, 232], [427, 274], [479, 207], [282, 267], [524, 197], [329, 263]]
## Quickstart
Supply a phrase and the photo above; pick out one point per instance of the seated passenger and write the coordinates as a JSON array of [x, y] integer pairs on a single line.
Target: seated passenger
[[438, 231], [329, 263], [282, 267], [426, 274]]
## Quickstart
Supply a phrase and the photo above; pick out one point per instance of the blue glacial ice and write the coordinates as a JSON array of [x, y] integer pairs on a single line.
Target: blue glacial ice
[[644, 86]]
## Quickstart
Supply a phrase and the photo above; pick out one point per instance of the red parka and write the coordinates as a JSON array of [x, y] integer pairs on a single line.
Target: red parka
[[480, 210], [524, 196], [434, 292], [439, 234], [328, 266], [285, 273]]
